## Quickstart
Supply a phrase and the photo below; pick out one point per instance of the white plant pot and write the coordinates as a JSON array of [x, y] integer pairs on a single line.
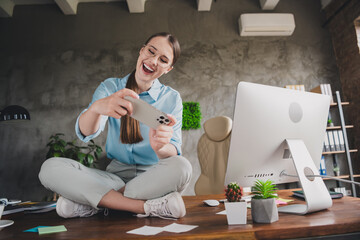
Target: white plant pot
[[264, 210], [236, 212]]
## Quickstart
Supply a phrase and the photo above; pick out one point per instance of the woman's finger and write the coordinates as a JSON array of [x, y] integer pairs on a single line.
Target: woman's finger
[[172, 120], [127, 92]]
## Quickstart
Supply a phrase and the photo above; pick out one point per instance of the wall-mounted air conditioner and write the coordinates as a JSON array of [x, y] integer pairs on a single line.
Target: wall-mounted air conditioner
[[266, 24]]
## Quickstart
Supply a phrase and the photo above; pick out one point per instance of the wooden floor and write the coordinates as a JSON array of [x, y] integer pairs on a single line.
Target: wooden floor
[[342, 217]]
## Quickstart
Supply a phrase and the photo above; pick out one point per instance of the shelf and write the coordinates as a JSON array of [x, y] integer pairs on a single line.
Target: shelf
[[335, 104], [335, 152], [339, 127], [343, 177]]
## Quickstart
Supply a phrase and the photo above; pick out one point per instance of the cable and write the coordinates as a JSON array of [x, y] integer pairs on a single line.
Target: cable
[[283, 173], [335, 178]]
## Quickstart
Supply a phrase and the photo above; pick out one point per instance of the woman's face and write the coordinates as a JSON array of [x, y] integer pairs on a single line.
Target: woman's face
[[154, 60]]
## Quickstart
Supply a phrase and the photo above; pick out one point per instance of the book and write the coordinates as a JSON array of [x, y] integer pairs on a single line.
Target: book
[[341, 140], [30, 207], [334, 195], [340, 190], [329, 92], [322, 166], [336, 140], [326, 143], [331, 140]]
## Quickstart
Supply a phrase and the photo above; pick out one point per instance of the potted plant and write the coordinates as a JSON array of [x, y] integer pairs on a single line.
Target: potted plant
[[337, 171], [83, 154], [263, 205], [236, 210], [330, 123]]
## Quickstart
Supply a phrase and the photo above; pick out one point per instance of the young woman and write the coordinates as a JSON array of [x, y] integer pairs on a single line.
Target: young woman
[[147, 173]]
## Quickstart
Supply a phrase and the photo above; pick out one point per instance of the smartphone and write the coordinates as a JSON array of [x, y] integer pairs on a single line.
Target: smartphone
[[147, 114]]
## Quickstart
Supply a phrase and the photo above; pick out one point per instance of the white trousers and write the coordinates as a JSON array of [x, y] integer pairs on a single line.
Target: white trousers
[[86, 185]]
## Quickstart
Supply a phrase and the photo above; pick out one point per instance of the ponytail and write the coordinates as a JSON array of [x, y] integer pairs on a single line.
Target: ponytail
[[130, 127]]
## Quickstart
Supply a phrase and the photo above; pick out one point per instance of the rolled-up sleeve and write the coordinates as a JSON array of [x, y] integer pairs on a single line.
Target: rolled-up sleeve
[[101, 92], [176, 139], [92, 136]]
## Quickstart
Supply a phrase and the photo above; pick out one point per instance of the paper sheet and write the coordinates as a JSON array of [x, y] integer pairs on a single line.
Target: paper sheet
[[222, 212], [174, 228], [146, 230], [178, 228]]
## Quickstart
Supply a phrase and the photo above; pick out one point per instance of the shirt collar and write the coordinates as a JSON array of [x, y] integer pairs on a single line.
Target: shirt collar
[[154, 91]]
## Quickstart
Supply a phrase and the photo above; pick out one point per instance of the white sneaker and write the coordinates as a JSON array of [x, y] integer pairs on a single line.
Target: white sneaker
[[168, 207], [68, 209]]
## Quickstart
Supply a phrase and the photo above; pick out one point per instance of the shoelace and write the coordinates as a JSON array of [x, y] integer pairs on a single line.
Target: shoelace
[[106, 212], [84, 210], [160, 209]]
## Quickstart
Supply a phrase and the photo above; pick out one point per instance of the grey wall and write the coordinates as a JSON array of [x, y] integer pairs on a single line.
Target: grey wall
[[51, 64]]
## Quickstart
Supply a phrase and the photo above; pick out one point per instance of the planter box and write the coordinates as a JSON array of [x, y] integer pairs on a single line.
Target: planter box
[[236, 212], [264, 210]]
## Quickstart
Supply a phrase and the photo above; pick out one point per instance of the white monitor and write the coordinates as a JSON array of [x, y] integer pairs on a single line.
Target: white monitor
[[267, 121]]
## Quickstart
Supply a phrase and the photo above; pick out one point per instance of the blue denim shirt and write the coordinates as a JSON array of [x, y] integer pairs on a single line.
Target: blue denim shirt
[[160, 96]]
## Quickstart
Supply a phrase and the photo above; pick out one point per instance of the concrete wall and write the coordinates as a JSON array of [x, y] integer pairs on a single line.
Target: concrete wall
[[51, 64]]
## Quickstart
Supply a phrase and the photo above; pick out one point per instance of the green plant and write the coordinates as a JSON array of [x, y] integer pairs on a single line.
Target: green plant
[[233, 192], [83, 154], [264, 189], [329, 121], [191, 116]]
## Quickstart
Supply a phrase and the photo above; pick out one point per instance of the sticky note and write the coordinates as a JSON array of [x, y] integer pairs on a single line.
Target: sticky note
[[35, 229], [280, 202], [54, 229], [285, 200]]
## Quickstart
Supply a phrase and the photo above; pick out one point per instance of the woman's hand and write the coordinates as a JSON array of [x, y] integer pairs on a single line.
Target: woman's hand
[[114, 105], [160, 139]]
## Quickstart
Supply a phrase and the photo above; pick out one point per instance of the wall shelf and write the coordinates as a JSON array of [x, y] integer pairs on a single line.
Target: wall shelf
[[342, 103], [342, 177], [336, 152], [339, 127], [347, 150]]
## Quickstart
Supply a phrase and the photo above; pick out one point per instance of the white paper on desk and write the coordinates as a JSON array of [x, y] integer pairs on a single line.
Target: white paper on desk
[[179, 228], [146, 230], [222, 212]]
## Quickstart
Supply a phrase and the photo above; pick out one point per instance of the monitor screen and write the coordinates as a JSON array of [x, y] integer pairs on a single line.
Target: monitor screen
[[264, 117]]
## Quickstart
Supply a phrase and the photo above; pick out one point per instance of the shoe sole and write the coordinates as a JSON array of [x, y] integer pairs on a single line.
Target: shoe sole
[[181, 203], [59, 203]]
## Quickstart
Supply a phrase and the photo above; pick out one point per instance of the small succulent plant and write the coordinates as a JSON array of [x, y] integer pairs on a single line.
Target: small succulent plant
[[264, 189], [233, 192]]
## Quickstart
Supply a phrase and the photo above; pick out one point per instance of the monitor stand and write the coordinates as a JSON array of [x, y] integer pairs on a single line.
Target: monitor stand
[[316, 195]]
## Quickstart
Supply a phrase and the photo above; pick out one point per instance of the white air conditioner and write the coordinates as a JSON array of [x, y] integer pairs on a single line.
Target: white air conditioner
[[266, 24]]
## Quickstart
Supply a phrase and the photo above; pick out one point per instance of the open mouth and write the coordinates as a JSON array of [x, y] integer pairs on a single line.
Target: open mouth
[[147, 69]]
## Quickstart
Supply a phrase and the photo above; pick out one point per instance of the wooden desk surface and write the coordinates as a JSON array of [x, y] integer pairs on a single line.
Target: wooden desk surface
[[342, 217]]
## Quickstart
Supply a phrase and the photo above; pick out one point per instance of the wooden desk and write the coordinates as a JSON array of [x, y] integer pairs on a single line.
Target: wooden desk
[[343, 217]]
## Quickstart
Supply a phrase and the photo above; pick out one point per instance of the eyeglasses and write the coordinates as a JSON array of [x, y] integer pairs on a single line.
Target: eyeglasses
[[163, 61]]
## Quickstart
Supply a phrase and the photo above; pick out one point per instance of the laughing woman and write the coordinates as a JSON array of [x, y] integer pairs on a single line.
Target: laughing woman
[[147, 173]]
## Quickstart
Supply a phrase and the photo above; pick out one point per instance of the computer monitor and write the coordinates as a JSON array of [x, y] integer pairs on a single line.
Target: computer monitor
[[277, 130]]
